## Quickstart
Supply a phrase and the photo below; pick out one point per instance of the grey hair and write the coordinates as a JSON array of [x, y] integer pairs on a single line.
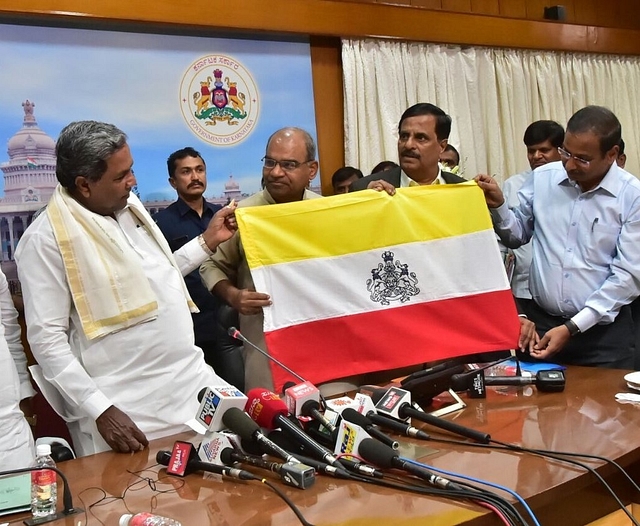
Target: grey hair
[[83, 149], [309, 143]]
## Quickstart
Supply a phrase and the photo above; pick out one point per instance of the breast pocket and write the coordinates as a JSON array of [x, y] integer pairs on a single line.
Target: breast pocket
[[600, 243]]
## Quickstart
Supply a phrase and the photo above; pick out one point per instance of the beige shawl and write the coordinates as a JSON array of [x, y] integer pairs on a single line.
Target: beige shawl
[[108, 285]]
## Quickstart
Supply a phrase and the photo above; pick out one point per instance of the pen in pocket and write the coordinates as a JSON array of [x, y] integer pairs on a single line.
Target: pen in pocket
[[595, 222]]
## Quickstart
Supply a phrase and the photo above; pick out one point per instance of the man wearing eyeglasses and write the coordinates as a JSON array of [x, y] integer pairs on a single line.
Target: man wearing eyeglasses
[[583, 215], [289, 166]]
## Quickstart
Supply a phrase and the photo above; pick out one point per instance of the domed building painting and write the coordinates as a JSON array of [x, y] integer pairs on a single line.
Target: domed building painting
[[30, 179]]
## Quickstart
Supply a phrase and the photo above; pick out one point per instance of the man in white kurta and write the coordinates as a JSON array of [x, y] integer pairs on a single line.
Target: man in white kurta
[[134, 382], [16, 441]]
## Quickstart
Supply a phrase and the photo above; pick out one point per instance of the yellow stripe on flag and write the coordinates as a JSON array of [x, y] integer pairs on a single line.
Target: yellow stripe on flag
[[304, 230]]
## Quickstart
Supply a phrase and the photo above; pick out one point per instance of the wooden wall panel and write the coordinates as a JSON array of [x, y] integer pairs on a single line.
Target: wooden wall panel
[[586, 12], [331, 18], [427, 4], [326, 66], [457, 6], [535, 9], [485, 7], [614, 13], [513, 8]]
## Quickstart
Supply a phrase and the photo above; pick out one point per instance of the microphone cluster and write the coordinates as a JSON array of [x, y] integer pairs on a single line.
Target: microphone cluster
[[340, 438]]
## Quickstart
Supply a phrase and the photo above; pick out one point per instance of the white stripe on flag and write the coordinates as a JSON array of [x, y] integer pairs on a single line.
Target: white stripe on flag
[[321, 288]]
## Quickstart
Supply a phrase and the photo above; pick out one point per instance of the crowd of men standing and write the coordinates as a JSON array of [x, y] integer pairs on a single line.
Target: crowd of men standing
[[127, 316]]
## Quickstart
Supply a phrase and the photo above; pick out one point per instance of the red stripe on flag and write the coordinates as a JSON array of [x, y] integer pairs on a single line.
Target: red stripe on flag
[[399, 337]]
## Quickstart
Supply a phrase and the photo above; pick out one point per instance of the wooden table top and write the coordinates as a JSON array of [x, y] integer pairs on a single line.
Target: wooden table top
[[584, 418]]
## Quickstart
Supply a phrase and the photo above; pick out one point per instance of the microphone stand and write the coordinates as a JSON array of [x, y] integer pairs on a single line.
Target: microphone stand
[[66, 497], [235, 333]]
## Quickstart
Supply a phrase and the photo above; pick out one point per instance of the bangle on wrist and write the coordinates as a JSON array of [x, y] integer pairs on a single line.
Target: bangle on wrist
[[573, 328], [204, 246]]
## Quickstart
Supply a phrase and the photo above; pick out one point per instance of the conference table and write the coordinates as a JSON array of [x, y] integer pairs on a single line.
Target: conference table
[[585, 418]]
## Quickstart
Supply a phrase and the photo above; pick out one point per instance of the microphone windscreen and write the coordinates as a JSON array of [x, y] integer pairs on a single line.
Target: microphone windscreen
[[226, 456], [236, 420], [201, 394], [163, 457], [351, 415], [377, 453], [308, 406], [231, 331], [287, 385], [264, 406]]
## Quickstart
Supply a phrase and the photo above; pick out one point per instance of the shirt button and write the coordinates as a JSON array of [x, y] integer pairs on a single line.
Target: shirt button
[[573, 224], [569, 250], [566, 275]]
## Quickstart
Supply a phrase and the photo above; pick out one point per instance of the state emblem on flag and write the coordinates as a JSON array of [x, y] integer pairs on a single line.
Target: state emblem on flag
[[392, 281], [219, 100]]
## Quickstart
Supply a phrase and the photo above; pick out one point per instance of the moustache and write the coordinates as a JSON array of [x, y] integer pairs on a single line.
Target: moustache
[[195, 183], [409, 153]]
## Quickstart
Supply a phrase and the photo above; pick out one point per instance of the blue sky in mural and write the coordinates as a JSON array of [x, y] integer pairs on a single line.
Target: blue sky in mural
[[133, 81]]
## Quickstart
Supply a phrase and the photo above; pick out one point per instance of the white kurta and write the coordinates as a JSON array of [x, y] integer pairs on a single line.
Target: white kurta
[[16, 441], [152, 371]]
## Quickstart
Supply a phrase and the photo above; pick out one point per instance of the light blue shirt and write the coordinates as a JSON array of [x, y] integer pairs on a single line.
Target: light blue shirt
[[586, 245], [520, 278]]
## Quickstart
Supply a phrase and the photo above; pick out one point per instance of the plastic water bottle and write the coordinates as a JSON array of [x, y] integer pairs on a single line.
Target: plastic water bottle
[[146, 519], [44, 489]]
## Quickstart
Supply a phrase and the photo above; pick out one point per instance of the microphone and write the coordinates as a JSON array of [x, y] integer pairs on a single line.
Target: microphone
[[182, 461], [385, 457], [214, 402], [311, 408], [297, 475], [548, 381], [240, 423], [270, 412], [394, 404], [323, 467], [352, 465], [67, 500], [397, 426], [235, 333], [212, 445], [351, 415], [424, 387]]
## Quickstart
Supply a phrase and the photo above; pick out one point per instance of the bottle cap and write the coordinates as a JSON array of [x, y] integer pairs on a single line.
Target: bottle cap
[[124, 520], [43, 450]]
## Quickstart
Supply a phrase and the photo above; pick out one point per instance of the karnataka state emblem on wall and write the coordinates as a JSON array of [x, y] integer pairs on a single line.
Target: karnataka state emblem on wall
[[219, 100]]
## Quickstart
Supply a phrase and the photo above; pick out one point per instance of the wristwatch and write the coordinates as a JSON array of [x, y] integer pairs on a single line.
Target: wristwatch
[[204, 246], [573, 328]]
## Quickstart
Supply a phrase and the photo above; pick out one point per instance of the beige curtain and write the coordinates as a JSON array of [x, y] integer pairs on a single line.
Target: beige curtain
[[491, 94]]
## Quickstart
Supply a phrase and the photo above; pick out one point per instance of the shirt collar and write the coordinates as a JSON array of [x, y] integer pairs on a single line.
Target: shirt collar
[[405, 180], [184, 208], [610, 183], [267, 196]]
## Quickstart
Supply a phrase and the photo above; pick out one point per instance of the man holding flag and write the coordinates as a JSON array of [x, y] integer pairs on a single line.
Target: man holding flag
[[289, 166]]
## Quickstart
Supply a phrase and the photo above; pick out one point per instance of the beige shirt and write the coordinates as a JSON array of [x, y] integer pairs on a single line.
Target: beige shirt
[[229, 262]]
